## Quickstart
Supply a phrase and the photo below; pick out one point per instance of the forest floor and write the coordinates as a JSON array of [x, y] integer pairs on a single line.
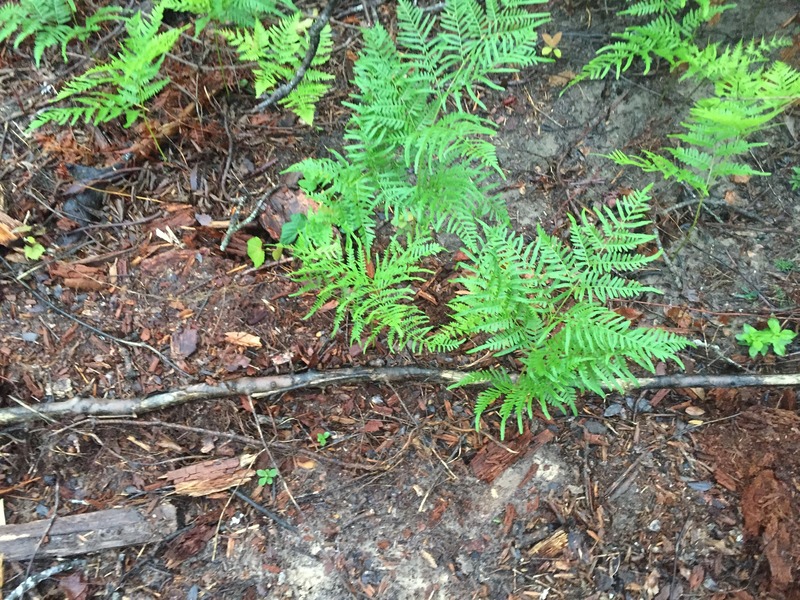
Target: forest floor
[[387, 489]]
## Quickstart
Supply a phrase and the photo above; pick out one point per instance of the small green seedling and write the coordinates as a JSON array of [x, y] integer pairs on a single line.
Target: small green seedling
[[33, 249], [551, 45], [255, 250], [759, 340], [266, 476], [322, 438], [785, 266], [748, 295], [795, 179]]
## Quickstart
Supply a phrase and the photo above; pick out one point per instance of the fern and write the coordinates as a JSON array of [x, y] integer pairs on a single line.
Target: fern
[[50, 23], [749, 91], [377, 295], [239, 12], [748, 95], [666, 36], [279, 50], [121, 86], [411, 165], [541, 301], [406, 159], [474, 43]]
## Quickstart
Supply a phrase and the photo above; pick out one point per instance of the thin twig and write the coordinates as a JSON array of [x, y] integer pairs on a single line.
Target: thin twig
[[313, 43], [276, 384], [235, 225], [716, 204], [267, 512], [35, 579], [272, 461], [46, 532], [667, 260], [243, 439], [223, 194]]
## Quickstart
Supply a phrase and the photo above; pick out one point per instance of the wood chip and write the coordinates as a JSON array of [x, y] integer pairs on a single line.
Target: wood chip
[[211, 476]]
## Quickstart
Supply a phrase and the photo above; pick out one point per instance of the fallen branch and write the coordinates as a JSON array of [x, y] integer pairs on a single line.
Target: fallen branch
[[277, 384]]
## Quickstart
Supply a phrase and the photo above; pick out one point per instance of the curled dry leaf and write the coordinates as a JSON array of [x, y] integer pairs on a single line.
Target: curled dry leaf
[[242, 338]]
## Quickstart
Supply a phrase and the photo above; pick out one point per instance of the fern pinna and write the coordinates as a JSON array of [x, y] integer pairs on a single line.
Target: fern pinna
[[416, 162], [50, 23]]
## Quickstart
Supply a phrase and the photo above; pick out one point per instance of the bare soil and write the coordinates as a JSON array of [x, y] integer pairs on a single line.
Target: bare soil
[[661, 494]]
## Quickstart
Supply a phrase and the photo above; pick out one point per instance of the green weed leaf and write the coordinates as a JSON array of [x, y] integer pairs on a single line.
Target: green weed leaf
[[33, 250], [255, 251], [292, 228], [266, 476], [759, 341]]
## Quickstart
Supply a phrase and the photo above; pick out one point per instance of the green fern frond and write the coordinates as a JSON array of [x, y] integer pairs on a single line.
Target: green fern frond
[[121, 86], [279, 51], [749, 90], [379, 298], [667, 36], [50, 23], [476, 42], [239, 12], [750, 96]]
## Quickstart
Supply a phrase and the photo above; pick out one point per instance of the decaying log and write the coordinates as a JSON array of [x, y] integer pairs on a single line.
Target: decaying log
[[88, 532]]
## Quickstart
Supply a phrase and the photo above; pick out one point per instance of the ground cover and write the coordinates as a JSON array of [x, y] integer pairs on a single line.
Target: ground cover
[[386, 490]]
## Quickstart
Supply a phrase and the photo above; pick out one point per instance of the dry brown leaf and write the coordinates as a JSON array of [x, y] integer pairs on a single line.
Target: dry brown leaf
[[560, 79], [372, 426], [280, 207], [629, 313], [183, 342], [242, 338], [679, 316]]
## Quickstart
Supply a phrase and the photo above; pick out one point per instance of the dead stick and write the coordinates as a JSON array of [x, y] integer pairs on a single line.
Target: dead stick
[[276, 384]]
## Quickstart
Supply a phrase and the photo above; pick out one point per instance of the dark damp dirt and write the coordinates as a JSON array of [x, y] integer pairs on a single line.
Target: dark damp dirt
[[661, 494]]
